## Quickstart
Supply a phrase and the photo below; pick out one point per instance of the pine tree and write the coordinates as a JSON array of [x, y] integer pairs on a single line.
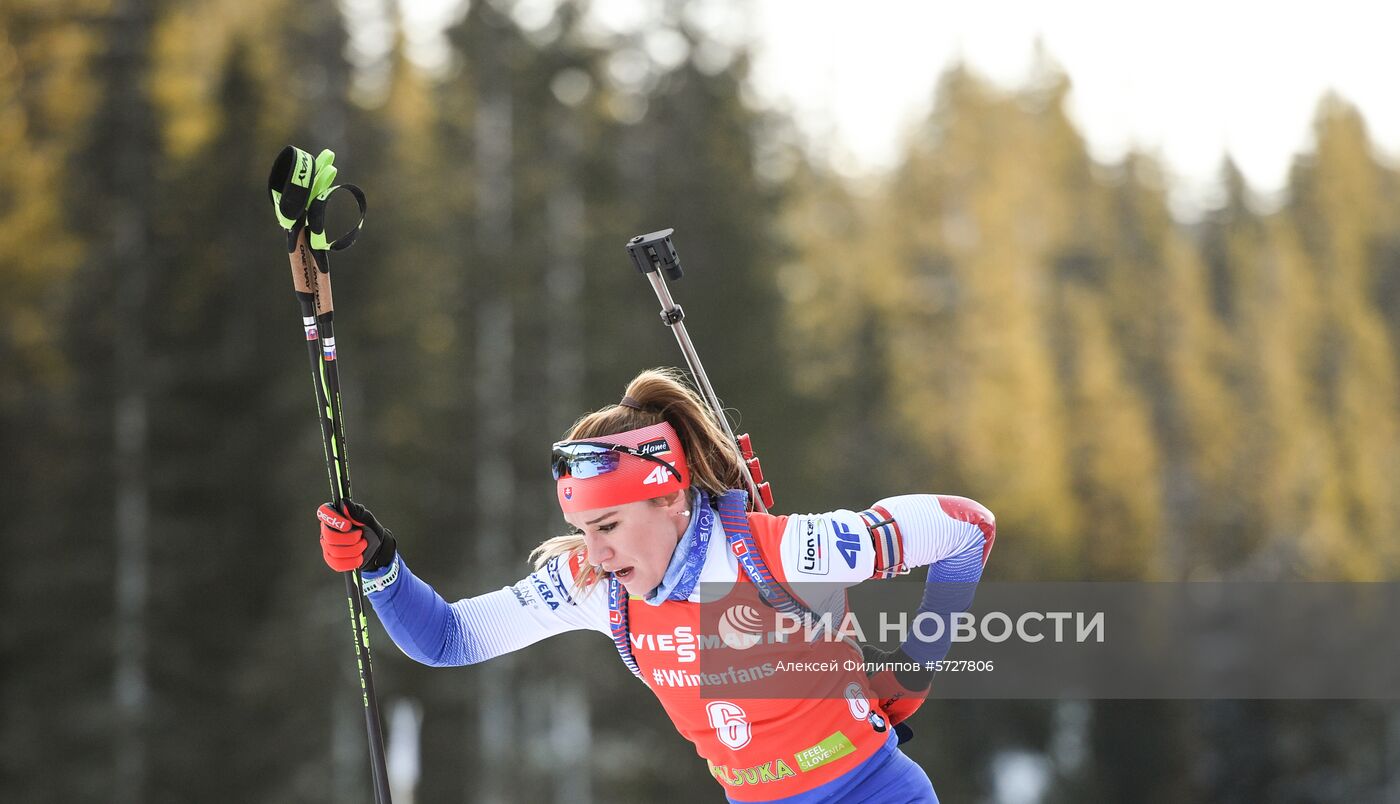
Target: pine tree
[[1338, 207], [1178, 355], [53, 698], [966, 295]]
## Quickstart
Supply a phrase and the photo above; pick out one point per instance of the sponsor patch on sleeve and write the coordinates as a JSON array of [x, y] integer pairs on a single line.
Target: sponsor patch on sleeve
[[848, 542], [559, 580], [810, 545], [835, 546], [534, 591]]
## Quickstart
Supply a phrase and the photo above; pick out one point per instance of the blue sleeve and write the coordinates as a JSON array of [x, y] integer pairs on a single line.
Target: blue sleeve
[[949, 589], [417, 618], [430, 630]]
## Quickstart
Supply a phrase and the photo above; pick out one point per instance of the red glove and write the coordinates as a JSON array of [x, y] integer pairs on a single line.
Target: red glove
[[354, 540], [901, 692]]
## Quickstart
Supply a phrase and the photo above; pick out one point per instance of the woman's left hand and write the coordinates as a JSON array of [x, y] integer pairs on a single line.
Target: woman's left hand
[[901, 692]]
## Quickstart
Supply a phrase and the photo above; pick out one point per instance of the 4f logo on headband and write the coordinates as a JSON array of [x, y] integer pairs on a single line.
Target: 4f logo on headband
[[654, 447], [658, 475]]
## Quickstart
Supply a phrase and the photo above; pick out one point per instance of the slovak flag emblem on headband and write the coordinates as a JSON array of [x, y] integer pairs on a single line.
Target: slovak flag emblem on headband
[[568, 492]]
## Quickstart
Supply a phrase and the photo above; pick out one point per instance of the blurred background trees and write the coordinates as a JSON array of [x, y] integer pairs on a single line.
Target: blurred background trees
[[1137, 397]]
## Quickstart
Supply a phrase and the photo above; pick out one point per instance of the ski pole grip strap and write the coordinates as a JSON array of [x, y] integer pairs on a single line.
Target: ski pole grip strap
[[300, 187], [289, 183], [316, 220]]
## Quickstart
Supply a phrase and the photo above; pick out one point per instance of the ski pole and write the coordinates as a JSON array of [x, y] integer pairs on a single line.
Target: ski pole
[[652, 254], [300, 187]]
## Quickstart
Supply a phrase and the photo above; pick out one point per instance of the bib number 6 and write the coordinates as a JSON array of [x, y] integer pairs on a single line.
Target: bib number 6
[[730, 723]]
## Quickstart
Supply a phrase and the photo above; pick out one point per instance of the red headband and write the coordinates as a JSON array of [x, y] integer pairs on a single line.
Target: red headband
[[634, 478]]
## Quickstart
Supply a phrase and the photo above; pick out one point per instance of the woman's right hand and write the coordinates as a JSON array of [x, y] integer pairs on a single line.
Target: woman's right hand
[[354, 539]]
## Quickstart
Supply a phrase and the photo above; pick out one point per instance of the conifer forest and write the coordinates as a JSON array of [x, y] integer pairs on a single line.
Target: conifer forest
[[1138, 395]]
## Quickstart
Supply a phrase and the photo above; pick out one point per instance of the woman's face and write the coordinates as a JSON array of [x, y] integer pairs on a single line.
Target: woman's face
[[633, 541]]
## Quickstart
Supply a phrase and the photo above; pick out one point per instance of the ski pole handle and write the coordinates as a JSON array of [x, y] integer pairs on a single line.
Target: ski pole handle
[[307, 278]]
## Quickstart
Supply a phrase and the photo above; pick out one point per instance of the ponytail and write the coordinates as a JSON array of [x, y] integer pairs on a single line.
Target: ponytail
[[653, 396]]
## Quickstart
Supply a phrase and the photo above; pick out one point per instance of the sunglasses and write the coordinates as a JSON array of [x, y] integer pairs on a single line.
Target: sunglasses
[[584, 459]]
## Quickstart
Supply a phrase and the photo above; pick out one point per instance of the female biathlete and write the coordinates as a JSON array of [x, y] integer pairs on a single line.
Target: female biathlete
[[650, 488]]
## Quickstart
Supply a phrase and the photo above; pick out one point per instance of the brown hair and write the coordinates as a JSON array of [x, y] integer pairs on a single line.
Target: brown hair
[[660, 394]]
